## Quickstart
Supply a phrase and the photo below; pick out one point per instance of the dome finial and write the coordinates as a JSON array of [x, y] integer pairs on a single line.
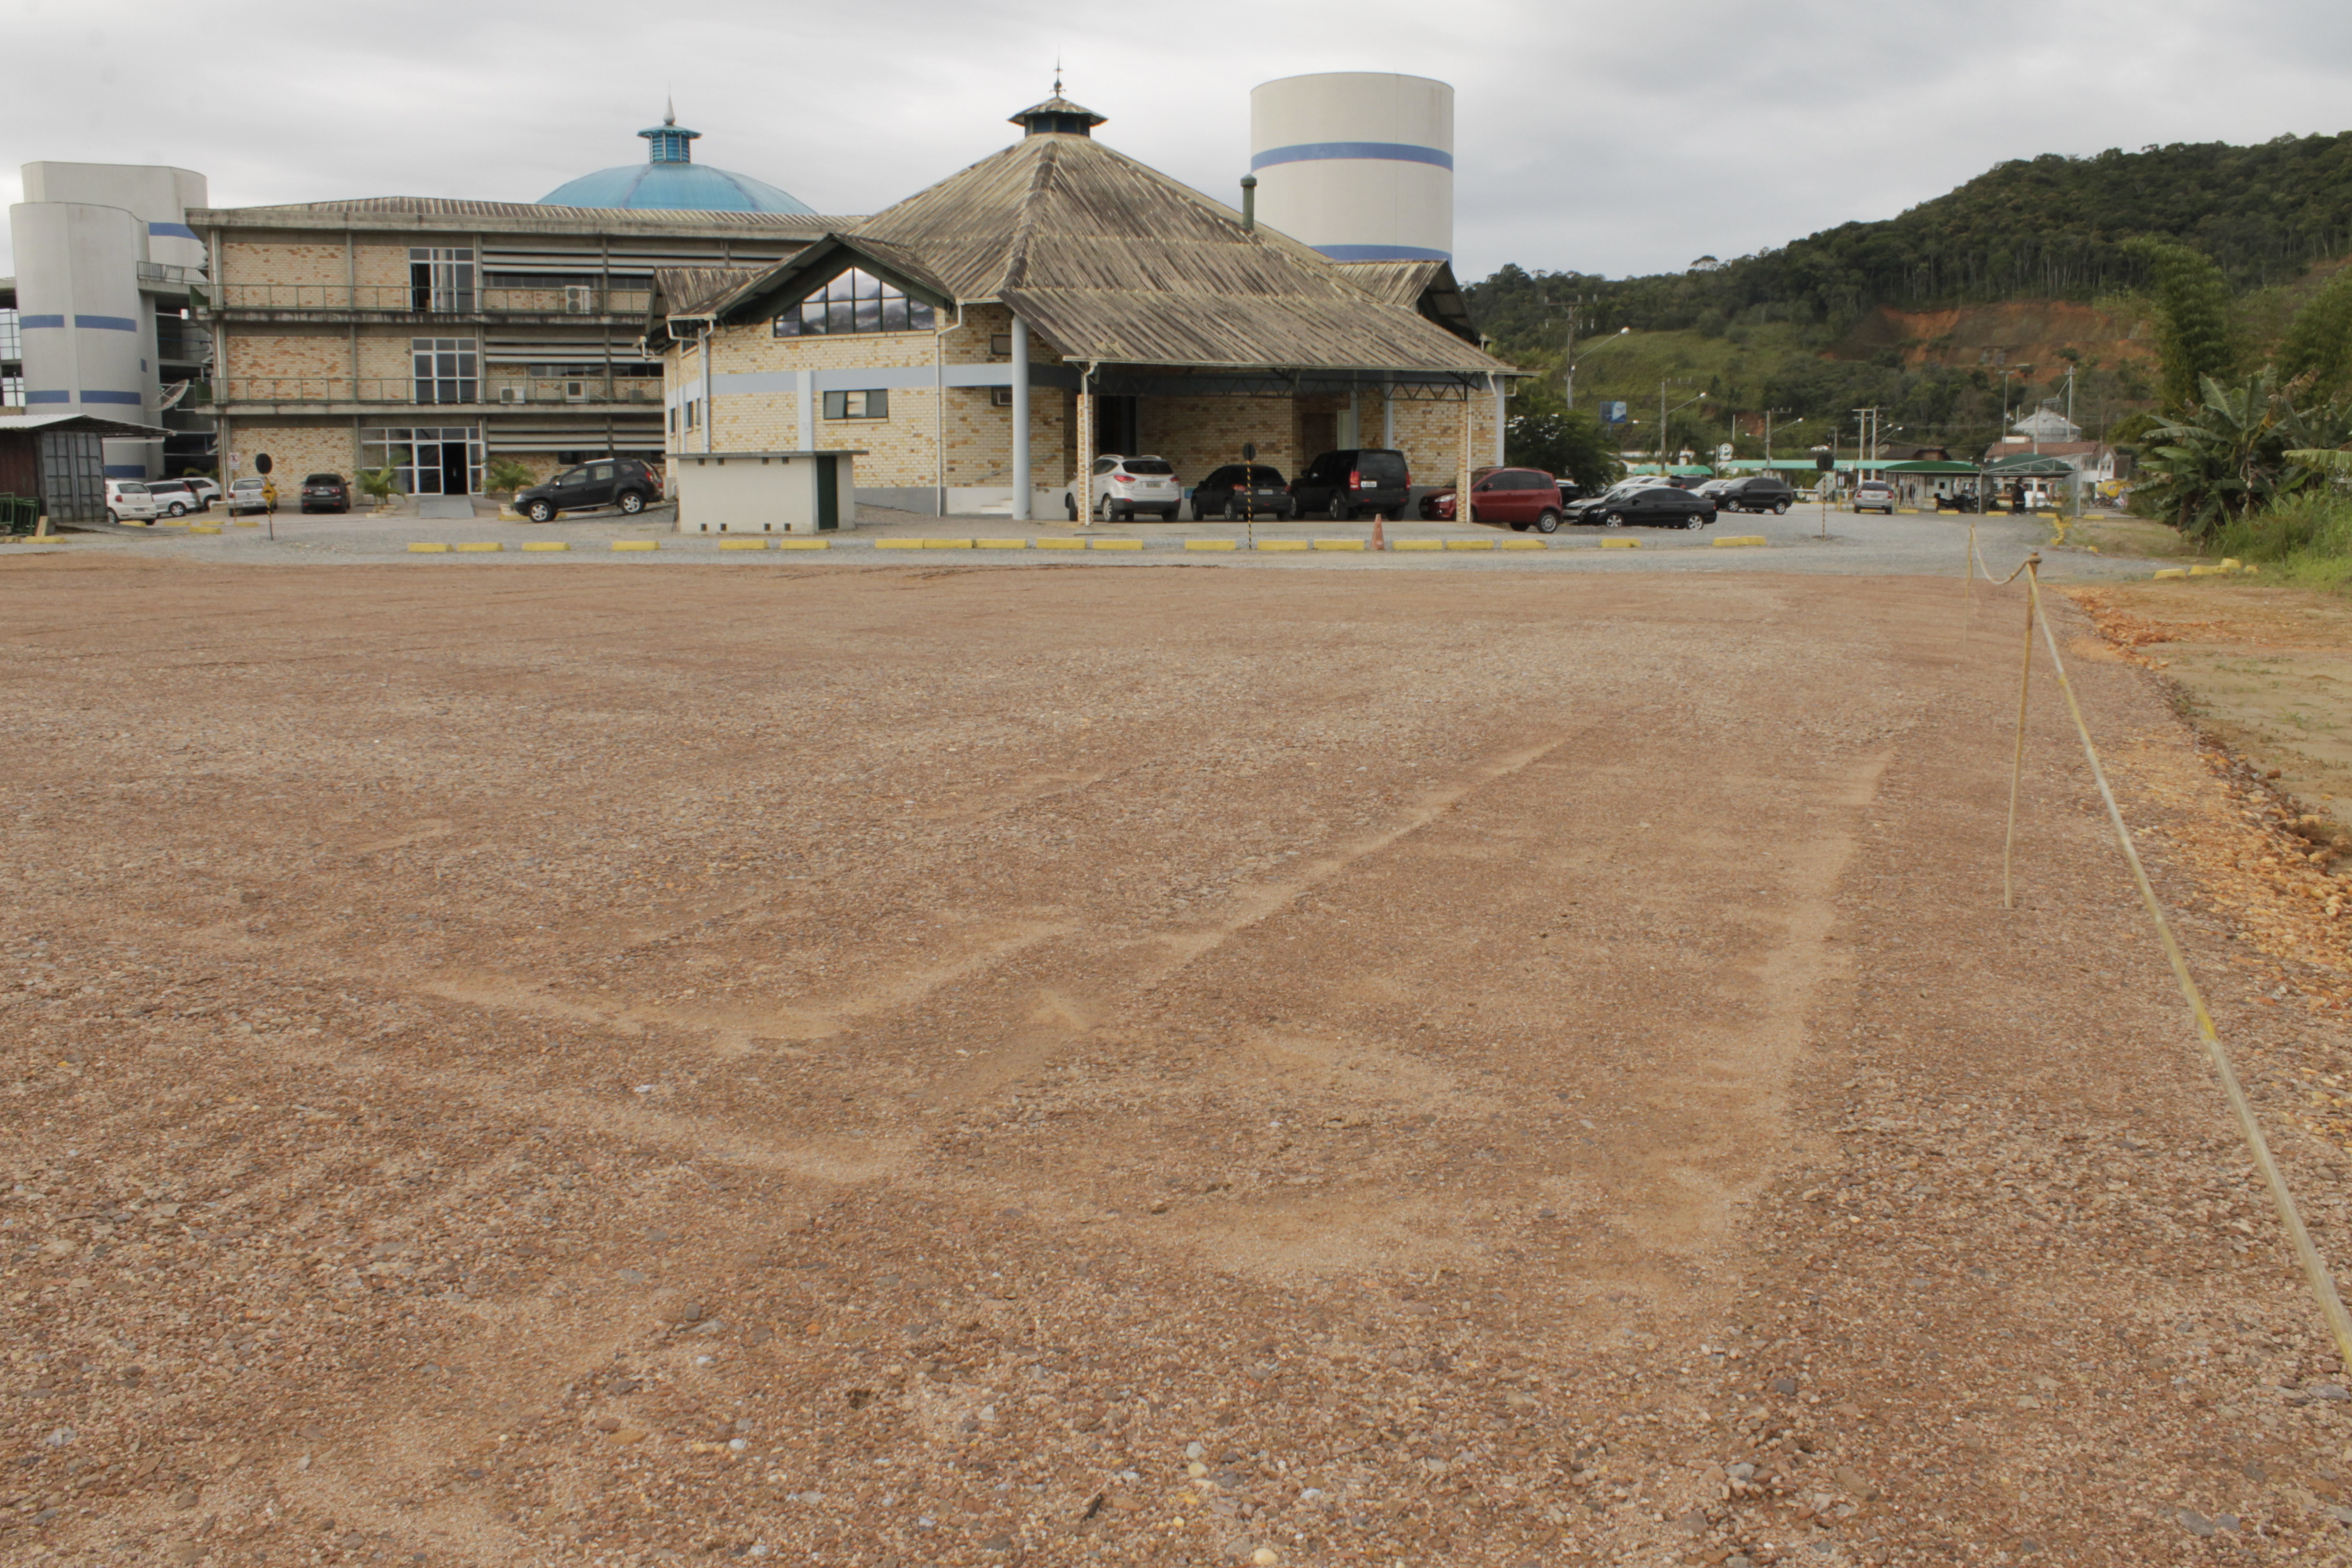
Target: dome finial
[[669, 110]]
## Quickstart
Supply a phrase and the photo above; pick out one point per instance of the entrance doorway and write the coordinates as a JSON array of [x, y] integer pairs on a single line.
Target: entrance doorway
[[1117, 426], [427, 460]]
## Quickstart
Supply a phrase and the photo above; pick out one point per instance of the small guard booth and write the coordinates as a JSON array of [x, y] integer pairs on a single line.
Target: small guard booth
[[765, 492]]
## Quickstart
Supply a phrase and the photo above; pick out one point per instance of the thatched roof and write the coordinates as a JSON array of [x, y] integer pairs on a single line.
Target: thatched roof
[[1114, 262]]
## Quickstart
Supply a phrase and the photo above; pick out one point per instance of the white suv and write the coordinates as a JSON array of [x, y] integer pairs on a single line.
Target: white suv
[[129, 498], [1125, 486]]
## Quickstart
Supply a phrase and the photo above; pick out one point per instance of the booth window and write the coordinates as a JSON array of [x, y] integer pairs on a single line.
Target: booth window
[[856, 301], [873, 405]]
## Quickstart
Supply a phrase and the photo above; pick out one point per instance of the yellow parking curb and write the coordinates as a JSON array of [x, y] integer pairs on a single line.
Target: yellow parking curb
[[1418, 545], [1212, 544], [1621, 544], [419, 549], [946, 544], [1338, 544], [481, 549], [204, 528], [1738, 541], [169, 523], [1061, 545], [999, 544], [804, 544], [2171, 572], [1469, 544], [898, 544], [547, 544], [245, 522], [1118, 545], [742, 544], [1519, 544], [1284, 544], [636, 544]]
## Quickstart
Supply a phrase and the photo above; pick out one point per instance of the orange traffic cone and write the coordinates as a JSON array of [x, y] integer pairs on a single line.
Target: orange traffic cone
[[1379, 542]]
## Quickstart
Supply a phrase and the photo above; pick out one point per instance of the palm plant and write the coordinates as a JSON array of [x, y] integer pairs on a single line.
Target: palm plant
[[2237, 451]]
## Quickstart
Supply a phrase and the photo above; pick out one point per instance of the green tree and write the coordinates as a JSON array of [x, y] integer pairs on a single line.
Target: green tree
[[378, 483], [1543, 432], [505, 474], [2237, 451], [2318, 341], [2193, 340]]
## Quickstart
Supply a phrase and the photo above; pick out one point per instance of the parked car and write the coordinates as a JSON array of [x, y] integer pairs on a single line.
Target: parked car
[[1755, 492], [624, 482], [1571, 492], [326, 493], [1122, 487], [129, 498], [173, 497], [208, 490], [1354, 483], [1523, 498], [1875, 495], [1239, 490], [251, 493], [1647, 502]]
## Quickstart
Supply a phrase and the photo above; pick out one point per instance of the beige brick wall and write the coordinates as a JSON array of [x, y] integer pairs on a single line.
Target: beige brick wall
[[316, 354], [296, 449], [282, 258]]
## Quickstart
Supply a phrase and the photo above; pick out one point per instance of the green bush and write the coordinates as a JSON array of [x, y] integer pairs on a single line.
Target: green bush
[[377, 483], [504, 474], [2305, 540]]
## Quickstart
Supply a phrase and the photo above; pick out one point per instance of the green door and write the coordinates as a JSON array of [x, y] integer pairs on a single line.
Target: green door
[[828, 495]]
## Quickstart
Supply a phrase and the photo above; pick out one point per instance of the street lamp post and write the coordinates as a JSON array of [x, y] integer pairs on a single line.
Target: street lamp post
[[1568, 386]]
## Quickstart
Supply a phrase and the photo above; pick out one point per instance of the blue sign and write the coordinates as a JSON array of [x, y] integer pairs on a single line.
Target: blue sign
[[1612, 414]]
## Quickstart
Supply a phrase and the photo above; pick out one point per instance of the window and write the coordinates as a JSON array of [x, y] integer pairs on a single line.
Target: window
[[12, 338], [441, 279], [448, 370], [856, 301], [427, 460], [1000, 345], [875, 404], [11, 392], [1001, 396]]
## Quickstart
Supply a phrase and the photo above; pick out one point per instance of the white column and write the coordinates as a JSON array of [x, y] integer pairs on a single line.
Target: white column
[[1022, 487], [805, 398], [1388, 415], [710, 414], [1501, 396]]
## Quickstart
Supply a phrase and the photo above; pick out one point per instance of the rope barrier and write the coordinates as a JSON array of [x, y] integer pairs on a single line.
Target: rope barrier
[[2314, 1267]]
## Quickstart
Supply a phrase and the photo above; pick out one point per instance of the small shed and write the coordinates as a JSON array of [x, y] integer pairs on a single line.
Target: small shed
[[766, 492], [61, 460]]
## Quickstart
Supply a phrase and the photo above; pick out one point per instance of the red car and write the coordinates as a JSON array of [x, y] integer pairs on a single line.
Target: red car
[[1524, 498]]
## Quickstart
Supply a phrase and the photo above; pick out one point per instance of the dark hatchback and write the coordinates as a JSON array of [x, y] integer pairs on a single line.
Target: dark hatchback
[[1757, 492], [622, 482], [1647, 503], [326, 493], [1354, 483], [1237, 491]]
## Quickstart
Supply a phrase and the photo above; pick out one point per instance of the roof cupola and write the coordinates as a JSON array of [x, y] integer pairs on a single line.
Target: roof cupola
[[673, 143], [1057, 116]]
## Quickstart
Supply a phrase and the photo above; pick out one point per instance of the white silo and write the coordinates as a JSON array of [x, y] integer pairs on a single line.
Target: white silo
[[1358, 164]]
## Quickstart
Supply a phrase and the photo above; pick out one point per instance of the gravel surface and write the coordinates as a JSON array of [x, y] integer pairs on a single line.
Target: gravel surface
[[924, 1064]]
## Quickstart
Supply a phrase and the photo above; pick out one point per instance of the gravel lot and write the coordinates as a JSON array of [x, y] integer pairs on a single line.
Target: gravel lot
[[922, 1063]]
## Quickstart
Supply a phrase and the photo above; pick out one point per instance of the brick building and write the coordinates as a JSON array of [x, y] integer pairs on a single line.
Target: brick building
[[433, 335], [982, 341]]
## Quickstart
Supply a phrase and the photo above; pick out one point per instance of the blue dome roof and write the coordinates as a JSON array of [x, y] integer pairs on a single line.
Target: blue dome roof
[[672, 182]]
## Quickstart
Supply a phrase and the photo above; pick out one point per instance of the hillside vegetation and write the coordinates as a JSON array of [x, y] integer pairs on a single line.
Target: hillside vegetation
[[2036, 266]]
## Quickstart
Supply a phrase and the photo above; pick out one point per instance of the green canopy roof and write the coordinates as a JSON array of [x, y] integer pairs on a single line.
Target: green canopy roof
[[2029, 467], [1930, 466]]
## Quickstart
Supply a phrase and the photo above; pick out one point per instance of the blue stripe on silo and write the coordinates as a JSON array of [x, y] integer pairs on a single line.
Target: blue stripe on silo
[[171, 231], [1383, 253], [108, 323], [32, 397], [90, 396], [29, 323], [1390, 152]]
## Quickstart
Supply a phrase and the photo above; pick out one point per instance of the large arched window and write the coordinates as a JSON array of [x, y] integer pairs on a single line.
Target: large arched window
[[856, 301]]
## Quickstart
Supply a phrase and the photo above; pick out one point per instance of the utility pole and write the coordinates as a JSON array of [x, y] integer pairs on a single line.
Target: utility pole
[[1768, 434]]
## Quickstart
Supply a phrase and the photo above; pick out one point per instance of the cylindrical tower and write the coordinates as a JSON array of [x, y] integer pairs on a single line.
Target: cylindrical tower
[[1358, 164]]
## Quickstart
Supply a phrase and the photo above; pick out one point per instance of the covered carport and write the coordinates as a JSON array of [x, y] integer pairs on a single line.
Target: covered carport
[[2020, 471], [1947, 477], [60, 459]]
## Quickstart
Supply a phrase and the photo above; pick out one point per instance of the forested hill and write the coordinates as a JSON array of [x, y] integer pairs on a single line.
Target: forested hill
[[2047, 227]]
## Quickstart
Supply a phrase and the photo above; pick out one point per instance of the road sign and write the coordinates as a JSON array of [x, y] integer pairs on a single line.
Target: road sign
[[1612, 414], [1723, 453], [261, 462]]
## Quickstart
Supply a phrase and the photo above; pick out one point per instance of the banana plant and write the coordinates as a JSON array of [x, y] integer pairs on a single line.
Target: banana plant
[[2238, 450]]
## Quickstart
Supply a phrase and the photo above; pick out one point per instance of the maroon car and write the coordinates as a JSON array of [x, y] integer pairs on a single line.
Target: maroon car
[[1524, 498]]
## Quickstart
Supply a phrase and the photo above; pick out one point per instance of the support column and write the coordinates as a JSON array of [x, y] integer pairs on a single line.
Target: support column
[[804, 401], [1082, 482], [1501, 396], [1388, 415], [1022, 486]]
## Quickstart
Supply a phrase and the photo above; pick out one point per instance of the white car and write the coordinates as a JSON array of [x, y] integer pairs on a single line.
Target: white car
[[1125, 486], [208, 490], [178, 498], [129, 498], [251, 494]]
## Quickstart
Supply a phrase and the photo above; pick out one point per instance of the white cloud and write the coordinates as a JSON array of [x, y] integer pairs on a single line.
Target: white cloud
[[1601, 137]]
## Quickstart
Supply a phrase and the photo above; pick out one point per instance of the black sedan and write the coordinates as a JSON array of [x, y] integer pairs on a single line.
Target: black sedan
[[1647, 503], [1239, 490]]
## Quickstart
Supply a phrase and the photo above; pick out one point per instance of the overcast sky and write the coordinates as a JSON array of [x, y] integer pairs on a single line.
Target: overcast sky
[[1604, 138]]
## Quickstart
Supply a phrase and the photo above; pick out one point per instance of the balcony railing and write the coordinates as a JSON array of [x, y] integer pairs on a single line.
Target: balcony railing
[[550, 391], [159, 272], [570, 300]]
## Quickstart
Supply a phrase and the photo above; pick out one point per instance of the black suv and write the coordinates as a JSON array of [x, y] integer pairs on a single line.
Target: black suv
[[1227, 494], [624, 482], [326, 493], [1354, 484], [1757, 492]]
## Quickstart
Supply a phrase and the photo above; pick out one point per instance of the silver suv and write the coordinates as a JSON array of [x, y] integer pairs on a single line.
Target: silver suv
[[1875, 495]]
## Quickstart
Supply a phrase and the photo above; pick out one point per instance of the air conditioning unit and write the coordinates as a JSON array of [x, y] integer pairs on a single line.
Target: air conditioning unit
[[513, 395], [577, 390], [578, 298], [1001, 396]]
